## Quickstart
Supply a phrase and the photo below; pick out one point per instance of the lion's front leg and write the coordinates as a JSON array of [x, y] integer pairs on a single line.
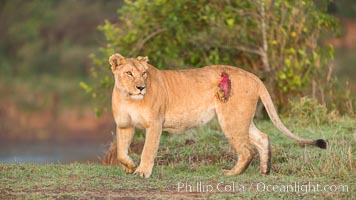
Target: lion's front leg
[[124, 137], [149, 151]]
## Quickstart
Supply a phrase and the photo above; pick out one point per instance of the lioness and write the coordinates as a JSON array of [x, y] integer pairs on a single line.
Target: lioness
[[177, 100]]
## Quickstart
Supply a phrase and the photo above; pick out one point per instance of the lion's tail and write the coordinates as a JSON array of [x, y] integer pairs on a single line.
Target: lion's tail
[[272, 113]]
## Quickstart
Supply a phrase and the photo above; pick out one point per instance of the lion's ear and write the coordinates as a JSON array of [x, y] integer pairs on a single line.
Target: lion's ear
[[116, 60], [143, 59]]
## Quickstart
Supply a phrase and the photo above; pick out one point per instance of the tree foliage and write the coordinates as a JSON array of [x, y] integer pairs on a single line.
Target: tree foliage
[[278, 40], [53, 37]]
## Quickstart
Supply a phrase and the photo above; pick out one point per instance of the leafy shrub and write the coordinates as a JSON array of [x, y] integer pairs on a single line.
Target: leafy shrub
[[277, 40], [308, 111]]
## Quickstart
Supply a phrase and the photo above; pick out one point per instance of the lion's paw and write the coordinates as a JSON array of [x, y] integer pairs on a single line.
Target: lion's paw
[[129, 170], [229, 172], [142, 172]]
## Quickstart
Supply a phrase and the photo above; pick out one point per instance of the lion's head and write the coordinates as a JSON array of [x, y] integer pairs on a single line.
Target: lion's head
[[130, 75]]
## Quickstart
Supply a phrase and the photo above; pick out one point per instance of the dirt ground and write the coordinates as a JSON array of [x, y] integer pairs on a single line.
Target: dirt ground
[[120, 194]]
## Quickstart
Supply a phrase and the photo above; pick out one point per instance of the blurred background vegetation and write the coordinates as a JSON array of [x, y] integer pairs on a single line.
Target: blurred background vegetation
[[51, 37], [44, 54], [51, 50], [286, 43]]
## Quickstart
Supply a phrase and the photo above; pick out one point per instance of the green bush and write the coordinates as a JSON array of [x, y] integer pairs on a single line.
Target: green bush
[[308, 111], [277, 40]]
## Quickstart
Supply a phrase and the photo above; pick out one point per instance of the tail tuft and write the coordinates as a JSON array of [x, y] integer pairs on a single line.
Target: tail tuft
[[321, 143]]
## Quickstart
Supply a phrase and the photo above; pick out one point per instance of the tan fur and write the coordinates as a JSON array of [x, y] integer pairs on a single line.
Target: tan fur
[[147, 98]]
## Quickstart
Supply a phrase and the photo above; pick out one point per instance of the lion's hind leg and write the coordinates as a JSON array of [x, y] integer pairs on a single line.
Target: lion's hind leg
[[245, 156], [261, 141], [236, 131]]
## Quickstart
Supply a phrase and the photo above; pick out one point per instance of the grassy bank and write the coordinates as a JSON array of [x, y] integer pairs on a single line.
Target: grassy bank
[[190, 165]]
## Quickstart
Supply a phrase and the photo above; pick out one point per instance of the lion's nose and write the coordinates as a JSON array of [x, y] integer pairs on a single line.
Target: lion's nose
[[140, 88]]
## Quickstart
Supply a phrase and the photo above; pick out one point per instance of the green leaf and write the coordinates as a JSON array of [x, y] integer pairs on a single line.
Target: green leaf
[[85, 87], [230, 22], [287, 62], [282, 76]]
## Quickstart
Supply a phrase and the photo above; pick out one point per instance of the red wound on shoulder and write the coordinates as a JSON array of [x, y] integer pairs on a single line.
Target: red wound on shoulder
[[224, 87]]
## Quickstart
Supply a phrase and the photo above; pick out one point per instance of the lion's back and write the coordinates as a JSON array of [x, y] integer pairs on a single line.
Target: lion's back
[[193, 93]]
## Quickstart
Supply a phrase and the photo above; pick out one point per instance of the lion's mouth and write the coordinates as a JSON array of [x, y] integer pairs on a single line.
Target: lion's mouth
[[138, 96], [140, 93]]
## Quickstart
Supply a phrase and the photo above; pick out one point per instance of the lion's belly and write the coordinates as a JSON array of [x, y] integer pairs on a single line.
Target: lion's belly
[[177, 122]]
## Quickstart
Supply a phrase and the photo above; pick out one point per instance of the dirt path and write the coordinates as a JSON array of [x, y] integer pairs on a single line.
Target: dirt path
[[111, 194]]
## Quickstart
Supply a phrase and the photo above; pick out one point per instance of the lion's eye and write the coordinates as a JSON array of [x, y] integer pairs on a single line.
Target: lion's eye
[[144, 73], [129, 74]]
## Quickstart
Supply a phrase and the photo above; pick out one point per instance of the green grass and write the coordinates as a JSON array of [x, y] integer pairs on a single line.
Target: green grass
[[198, 156]]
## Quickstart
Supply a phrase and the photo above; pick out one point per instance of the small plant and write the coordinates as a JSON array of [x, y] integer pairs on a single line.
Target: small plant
[[308, 111]]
